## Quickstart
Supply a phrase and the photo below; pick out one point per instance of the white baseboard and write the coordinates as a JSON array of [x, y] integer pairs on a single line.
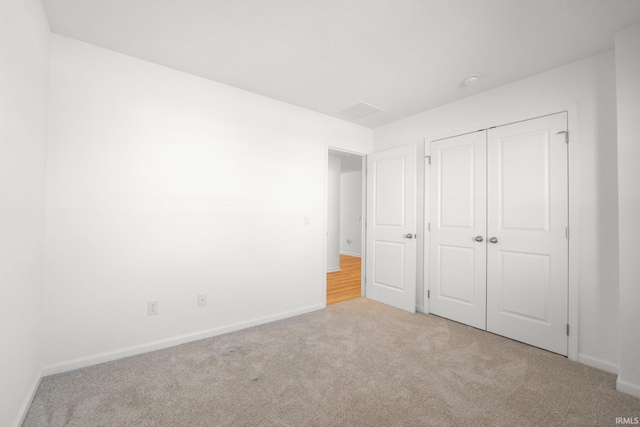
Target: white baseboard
[[351, 254], [158, 345], [419, 309], [594, 362], [26, 404], [627, 387], [333, 270]]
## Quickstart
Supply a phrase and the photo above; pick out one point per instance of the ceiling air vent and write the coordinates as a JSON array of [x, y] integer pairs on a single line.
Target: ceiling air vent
[[358, 110]]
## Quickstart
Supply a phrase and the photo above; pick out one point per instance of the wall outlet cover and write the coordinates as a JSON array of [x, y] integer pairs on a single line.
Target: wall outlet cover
[[202, 299], [152, 308]]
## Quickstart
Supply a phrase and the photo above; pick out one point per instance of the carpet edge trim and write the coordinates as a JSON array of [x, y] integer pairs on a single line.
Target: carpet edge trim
[[628, 387], [28, 400], [597, 363], [97, 359]]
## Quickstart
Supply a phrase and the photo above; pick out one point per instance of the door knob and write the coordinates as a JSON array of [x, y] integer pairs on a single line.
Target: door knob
[[478, 239], [493, 240], [408, 236]]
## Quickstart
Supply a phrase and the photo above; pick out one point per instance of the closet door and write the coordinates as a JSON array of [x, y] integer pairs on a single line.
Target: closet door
[[527, 249], [457, 265]]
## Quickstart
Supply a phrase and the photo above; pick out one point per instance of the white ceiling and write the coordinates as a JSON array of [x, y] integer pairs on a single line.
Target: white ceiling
[[403, 56]]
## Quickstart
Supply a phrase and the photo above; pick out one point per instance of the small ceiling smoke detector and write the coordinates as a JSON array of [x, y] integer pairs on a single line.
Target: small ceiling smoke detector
[[471, 80], [358, 110]]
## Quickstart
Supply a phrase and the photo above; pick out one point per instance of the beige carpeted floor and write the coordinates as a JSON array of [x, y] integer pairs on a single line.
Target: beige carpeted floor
[[357, 363]]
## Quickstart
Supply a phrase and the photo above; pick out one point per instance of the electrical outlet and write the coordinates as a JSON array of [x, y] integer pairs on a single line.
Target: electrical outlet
[[202, 300], [152, 308]]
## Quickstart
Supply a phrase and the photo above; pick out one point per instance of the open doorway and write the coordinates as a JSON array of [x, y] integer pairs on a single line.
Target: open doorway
[[345, 225]]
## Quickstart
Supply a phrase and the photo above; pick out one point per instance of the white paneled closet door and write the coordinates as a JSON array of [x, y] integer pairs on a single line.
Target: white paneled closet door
[[499, 231], [528, 251], [458, 225]]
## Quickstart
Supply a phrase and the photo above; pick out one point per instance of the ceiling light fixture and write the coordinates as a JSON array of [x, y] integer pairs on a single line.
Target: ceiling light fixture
[[471, 80]]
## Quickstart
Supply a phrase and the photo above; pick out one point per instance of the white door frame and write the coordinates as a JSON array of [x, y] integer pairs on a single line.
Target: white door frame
[[574, 211], [363, 245]]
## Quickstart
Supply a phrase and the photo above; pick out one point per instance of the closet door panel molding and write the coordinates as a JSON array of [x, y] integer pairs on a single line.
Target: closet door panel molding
[[527, 204], [458, 229]]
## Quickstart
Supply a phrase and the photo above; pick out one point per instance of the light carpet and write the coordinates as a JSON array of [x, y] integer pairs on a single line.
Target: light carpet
[[356, 363]]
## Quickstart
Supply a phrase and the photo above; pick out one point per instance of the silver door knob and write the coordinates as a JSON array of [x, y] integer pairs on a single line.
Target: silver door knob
[[493, 240], [408, 236], [478, 239]]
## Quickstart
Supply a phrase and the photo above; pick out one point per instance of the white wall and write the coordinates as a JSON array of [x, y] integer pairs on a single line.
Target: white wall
[[333, 213], [628, 90], [161, 185], [24, 55], [588, 86], [351, 213]]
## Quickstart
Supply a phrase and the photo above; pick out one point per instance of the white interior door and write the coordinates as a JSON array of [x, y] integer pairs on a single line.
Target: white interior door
[[457, 264], [391, 227], [527, 253]]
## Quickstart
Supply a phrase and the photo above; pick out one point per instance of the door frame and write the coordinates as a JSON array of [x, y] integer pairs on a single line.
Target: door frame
[[573, 188], [363, 156]]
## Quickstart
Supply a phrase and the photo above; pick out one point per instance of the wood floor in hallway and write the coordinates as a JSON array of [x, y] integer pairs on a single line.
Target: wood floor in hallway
[[344, 284]]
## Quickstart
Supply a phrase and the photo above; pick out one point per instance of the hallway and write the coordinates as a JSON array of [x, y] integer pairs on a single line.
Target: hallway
[[344, 284]]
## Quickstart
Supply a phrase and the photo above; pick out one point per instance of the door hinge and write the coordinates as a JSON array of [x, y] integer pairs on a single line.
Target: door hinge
[[566, 232], [428, 159], [429, 227], [428, 294], [566, 135], [567, 329]]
